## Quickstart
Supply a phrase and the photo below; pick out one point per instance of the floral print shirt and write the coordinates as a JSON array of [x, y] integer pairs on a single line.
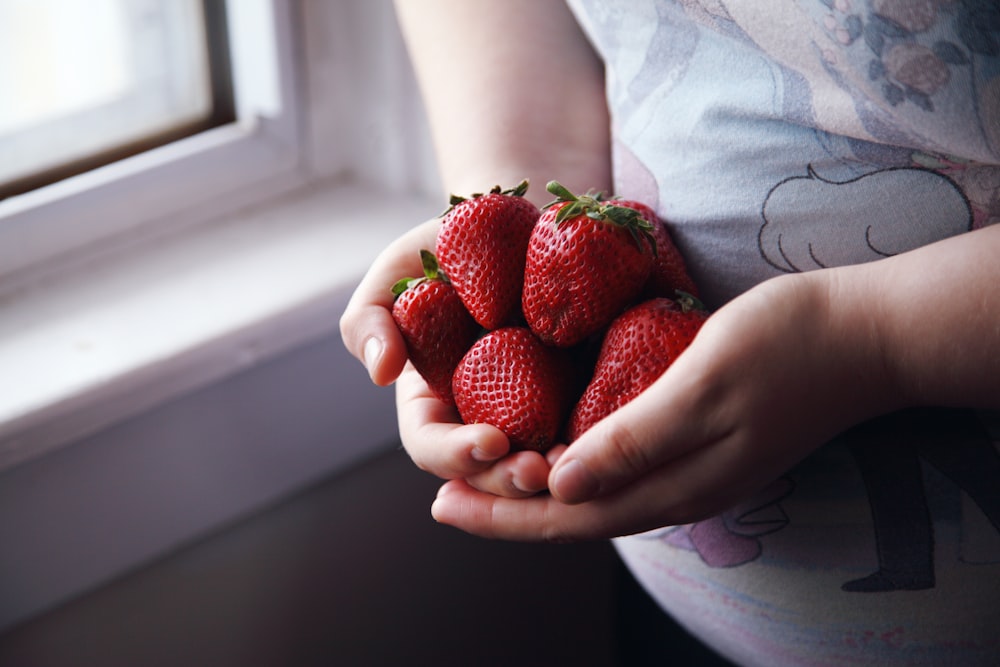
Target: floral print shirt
[[786, 136]]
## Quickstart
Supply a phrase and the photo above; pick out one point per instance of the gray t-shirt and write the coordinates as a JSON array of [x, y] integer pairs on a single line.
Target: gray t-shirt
[[785, 136]]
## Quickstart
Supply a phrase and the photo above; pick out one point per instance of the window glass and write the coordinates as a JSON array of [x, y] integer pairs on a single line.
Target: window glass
[[87, 81]]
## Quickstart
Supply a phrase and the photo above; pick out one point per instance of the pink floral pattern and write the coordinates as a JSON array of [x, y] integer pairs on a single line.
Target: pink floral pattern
[[908, 55]]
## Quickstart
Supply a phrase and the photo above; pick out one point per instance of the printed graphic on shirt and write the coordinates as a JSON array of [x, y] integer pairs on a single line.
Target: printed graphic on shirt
[[919, 53], [877, 215], [734, 537], [812, 134], [776, 137], [888, 452], [891, 453]]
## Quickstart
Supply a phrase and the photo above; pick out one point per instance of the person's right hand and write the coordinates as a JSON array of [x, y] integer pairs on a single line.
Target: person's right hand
[[430, 430]]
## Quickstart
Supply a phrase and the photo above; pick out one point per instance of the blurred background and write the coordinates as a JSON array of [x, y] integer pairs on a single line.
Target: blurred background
[[192, 468]]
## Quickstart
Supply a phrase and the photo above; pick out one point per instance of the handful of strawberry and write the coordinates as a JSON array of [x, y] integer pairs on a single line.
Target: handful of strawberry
[[517, 298]]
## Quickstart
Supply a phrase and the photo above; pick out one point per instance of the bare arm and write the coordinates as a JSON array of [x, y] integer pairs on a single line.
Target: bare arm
[[939, 320], [513, 90]]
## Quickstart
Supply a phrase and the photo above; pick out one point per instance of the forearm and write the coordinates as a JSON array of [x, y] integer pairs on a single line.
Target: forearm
[[932, 319], [513, 90]]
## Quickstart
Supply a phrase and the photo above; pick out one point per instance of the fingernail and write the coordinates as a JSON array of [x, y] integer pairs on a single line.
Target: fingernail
[[438, 510], [372, 352], [573, 483], [523, 486], [483, 456], [442, 505], [445, 489]]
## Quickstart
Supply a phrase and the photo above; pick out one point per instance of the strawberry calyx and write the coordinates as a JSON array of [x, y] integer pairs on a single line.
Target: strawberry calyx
[[688, 302], [431, 272], [594, 206], [518, 190]]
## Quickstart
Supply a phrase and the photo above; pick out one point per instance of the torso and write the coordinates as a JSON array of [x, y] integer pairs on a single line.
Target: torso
[[783, 137]]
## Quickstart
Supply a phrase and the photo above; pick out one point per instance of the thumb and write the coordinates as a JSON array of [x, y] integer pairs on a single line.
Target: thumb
[[659, 425]]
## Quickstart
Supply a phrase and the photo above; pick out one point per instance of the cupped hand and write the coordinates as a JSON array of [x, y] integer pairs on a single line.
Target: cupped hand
[[430, 430], [771, 376]]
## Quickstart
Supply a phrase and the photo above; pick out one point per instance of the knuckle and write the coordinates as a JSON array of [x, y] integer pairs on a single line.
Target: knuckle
[[626, 448], [346, 324], [558, 527], [425, 460], [555, 535], [556, 532], [422, 463]]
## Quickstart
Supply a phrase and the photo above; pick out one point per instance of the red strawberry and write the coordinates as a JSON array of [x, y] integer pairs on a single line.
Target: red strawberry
[[511, 380], [587, 261], [669, 274], [435, 325], [481, 247], [638, 347]]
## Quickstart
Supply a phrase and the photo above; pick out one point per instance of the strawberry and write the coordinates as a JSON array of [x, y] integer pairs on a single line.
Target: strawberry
[[511, 380], [481, 246], [587, 261], [669, 274], [437, 328], [637, 348]]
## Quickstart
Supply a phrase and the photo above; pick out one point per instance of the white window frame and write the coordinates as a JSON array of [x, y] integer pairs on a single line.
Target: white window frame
[[142, 280], [146, 280], [59, 225]]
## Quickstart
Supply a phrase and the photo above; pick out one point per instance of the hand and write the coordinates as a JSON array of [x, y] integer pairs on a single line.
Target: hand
[[430, 430], [771, 376], [491, 125]]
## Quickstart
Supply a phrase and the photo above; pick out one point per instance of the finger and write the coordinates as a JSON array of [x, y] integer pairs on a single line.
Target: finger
[[437, 441], [366, 326], [435, 438], [671, 418], [518, 475], [538, 518], [693, 487], [554, 453]]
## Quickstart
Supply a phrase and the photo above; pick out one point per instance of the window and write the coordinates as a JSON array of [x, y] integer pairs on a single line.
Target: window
[[88, 82], [141, 280], [153, 109], [128, 284]]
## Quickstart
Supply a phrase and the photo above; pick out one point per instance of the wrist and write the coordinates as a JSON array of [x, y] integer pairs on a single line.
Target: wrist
[[932, 314], [861, 346]]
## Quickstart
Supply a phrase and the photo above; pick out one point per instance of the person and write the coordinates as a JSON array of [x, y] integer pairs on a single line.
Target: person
[[815, 479]]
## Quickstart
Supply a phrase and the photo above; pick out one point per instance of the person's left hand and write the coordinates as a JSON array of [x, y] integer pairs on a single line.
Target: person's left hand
[[771, 376]]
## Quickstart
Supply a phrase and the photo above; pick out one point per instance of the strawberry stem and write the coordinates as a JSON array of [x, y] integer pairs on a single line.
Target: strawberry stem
[[688, 302]]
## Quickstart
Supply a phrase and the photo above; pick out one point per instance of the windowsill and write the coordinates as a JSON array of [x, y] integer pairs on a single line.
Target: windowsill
[[92, 348]]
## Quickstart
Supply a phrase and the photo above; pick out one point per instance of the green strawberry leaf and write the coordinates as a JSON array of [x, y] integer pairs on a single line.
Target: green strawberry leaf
[[404, 284], [431, 272], [430, 264], [518, 190], [454, 200], [560, 191], [592, 205]]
